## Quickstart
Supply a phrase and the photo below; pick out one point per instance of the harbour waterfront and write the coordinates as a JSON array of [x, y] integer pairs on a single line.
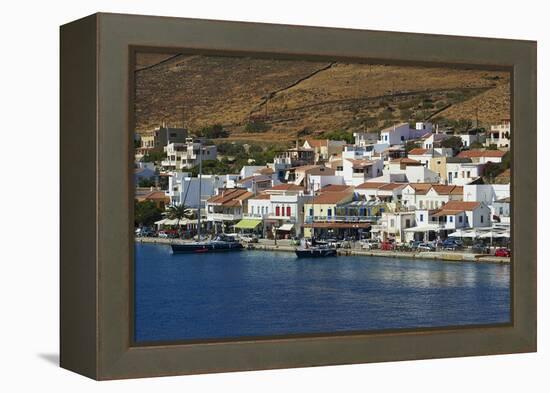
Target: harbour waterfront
[[263, 293]]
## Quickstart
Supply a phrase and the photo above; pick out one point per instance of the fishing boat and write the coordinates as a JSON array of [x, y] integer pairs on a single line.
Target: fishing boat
[[316, 249], [220, 243]]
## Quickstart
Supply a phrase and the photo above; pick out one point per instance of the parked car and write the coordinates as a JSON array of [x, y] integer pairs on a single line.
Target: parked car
[[503, 252], [249, 238], [425, 247], [387, 246], [413, 244], [168, 234], [369, 244], [480, 248], [145, 232], [451, 244]]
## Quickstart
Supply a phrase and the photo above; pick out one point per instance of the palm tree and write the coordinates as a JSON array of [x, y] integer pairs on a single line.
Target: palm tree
[[179, 212]]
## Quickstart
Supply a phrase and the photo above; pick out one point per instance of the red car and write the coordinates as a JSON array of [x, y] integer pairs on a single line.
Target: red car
[[387, 246], [502, 252]]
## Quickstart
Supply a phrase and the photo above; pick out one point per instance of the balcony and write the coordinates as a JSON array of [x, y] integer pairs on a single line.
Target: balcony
[[223, 216], [310, 219]]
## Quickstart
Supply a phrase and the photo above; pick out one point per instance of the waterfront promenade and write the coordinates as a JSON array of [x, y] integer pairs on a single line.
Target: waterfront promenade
[[286, 246]]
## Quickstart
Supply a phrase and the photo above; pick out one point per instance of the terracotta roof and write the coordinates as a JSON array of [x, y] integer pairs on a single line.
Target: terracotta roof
[[481, 153], [421, 188], [336, 188], [153, 196], [392, 186], [443, 189], [370, 185], [317, 142], [261, 196], [406, 161], [286, 187], [332, 197], [360, 163], [418, 151], [230, 197], [453, 207]]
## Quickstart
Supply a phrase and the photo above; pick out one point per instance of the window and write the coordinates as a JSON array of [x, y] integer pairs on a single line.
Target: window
[[481, 219], [450, 218], [421, 217], [329, 212], [277, 211], [407, 223], [468, 174], [311, 212], [402, 138], [392, 223], [460, 219], [288, 211]]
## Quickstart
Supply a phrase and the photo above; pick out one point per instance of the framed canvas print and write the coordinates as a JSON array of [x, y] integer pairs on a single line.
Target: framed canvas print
[[239, 196]]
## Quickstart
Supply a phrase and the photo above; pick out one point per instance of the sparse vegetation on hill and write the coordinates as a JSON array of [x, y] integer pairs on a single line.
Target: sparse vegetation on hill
[[280, 100]]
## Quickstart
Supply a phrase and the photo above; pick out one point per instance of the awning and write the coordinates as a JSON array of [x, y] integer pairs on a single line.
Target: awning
[[467, 233], [247, 223], [424, 228], [286, 227], [168, 221]]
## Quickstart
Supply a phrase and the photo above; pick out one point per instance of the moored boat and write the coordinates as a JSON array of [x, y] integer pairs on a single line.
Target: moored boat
[[219, 244], [315, 252]]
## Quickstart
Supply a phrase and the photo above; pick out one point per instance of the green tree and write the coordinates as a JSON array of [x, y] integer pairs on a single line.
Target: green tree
[[179, 212], [146, 182], [476, 145], [339, 136], [146, 213], [454, 142], [256, 126], [154, 156], [213, 132]]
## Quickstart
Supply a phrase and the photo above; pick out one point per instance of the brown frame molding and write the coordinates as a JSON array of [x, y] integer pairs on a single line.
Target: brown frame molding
[[96, 261]]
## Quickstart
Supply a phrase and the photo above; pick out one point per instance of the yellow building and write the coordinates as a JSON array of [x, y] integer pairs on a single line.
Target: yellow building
[[322, 211]]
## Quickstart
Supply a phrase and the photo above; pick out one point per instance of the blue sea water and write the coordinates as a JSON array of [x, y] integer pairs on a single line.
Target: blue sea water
[[258, 293]]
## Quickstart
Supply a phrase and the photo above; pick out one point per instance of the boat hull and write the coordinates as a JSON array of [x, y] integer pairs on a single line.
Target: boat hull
[[200, 248], [316, 252]]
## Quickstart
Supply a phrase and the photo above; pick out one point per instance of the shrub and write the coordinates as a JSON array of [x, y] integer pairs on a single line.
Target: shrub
[[256, 126]]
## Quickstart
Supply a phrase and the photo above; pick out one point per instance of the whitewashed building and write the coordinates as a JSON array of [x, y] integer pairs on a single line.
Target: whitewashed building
[[186, 155]]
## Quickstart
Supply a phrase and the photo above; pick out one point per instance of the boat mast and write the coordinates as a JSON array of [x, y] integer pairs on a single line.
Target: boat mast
[[313, 210], [200, 194]]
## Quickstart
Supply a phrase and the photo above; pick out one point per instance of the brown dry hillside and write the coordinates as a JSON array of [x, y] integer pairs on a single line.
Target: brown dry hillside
[[301, 97]]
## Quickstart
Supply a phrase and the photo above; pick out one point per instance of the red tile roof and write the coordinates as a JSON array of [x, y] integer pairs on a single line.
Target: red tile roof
[[418, 151], [454, 207], [230, 197], [286, 187], [392, 186], [481, 153], [261, 196], [406, 161], [443, 189], [336, 188], [370, 185], [328, 198], [360, 163]]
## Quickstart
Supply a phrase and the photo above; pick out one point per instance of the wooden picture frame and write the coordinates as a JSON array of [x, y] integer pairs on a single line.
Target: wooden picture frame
[[97, 199]]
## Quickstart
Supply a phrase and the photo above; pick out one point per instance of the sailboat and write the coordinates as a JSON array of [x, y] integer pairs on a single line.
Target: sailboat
[[221, 243], [316, 249]]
